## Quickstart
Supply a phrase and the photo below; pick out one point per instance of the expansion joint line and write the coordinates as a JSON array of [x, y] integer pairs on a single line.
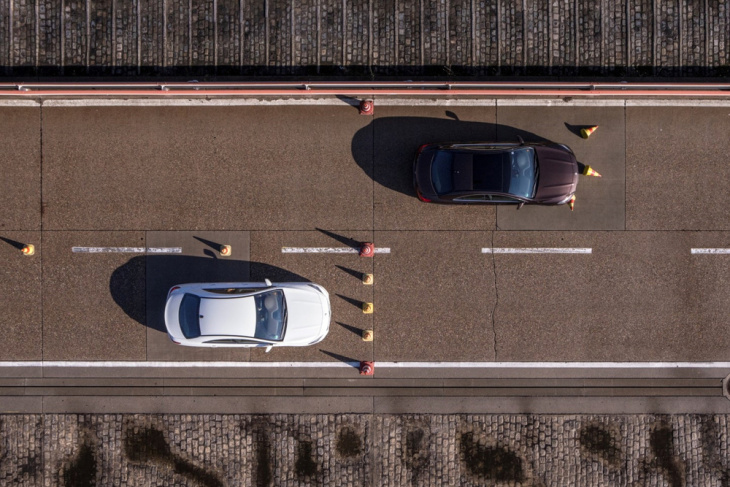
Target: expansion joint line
[[496, 300]]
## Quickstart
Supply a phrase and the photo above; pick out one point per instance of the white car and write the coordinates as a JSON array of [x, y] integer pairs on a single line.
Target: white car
[[247, 314]]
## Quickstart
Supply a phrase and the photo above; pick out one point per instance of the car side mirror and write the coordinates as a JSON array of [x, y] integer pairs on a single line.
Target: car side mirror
[[520, 204], [522, 141], [268, 349], [267, 282]]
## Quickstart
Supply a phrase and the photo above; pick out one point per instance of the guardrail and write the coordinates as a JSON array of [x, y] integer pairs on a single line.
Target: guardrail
[[404, 88]]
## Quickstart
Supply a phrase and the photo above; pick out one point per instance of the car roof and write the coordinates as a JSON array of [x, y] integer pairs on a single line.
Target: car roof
[[228, 316]]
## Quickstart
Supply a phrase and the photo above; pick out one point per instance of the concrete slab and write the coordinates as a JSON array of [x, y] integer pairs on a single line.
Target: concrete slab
[[20, 186], [221, 168], [640, 296], [20, 288], [200, 261], [209, 404], [677, 168], [434, 297], [91, 302], [600, 202], [399, 132], [554, 405], [340, 274], [21, 405]]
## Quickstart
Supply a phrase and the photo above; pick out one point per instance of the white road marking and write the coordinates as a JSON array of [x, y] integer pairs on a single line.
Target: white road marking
[[560, 102], [538, 250], [402, 365], [710, 251], [127, 250], [380, 100], [329, 250]]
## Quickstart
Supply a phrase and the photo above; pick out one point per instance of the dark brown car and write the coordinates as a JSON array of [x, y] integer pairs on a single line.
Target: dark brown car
[[494, 172]]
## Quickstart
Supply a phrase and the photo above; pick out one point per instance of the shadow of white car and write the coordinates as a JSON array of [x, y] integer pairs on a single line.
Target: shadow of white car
[[247, 314]]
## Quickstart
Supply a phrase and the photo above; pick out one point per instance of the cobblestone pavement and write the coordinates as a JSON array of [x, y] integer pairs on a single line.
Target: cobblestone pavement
[[379, 450], [365, 38]]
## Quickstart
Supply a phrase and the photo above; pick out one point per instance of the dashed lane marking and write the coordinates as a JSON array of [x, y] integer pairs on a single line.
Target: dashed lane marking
[[538, 250], [329, 250], [710, 251], [127, 250], [403, 365]]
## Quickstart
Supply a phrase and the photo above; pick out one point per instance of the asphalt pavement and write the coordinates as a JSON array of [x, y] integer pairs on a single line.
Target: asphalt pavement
[[458, 284]]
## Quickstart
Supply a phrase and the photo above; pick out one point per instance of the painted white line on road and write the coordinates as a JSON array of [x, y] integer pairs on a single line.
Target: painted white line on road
[[126, 250], [710, 251], [402, 365], [192, 102], [538, 250], [677, 103], [560, 102], [329, 250], [380, 100]]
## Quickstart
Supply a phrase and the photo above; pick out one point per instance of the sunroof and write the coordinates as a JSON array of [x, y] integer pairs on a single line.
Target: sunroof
[[491, 172]]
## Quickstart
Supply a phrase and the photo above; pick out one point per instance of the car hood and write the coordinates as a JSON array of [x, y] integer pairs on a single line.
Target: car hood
[[305, 315], [558, 174]]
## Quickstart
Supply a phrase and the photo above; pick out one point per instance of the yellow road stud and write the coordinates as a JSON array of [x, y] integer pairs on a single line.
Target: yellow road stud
[[28, 249], [368, 279], [367, 335], [367, 308]]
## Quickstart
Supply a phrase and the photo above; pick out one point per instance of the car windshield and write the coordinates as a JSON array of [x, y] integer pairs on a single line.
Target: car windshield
[[271, 314], [189, 316], [441, 172], [523, 170]]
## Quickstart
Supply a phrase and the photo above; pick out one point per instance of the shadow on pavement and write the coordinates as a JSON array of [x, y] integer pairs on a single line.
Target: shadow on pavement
[[390, 161], [161, 272], [347, 360]]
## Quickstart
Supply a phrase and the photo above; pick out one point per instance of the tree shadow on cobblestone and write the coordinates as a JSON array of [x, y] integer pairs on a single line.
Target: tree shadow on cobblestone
[[417, 456], [259, 430], [600, 443], [149, 446], [349, 443], [390, 160], [710, 442], [81, 471], [661, 441], [305, 466], [140, 286], [496, 463]]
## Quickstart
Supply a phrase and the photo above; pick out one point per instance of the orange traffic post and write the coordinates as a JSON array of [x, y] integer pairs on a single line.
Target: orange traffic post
[[586, 132], [366, 107], [367, 335], [368, 279], [28, 249], [367, 368], [225, 250], [571, 203], [367, 249], [589, 171]]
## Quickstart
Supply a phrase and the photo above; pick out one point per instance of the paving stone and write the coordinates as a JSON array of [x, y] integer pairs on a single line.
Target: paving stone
[[365, 38]]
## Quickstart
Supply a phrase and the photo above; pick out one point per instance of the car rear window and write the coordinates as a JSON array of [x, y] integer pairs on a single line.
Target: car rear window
[[442, 172], [189, 316]]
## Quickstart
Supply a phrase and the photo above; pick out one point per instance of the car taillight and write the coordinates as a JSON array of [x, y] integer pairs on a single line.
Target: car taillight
[[421, 148], [172, 289], [422, 198]]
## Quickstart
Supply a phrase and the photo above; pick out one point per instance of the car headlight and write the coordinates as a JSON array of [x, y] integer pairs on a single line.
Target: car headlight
[[567, 198]]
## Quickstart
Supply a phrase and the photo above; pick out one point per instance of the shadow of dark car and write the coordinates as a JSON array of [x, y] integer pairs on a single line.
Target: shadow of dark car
[[160, 272], [390, 160]]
